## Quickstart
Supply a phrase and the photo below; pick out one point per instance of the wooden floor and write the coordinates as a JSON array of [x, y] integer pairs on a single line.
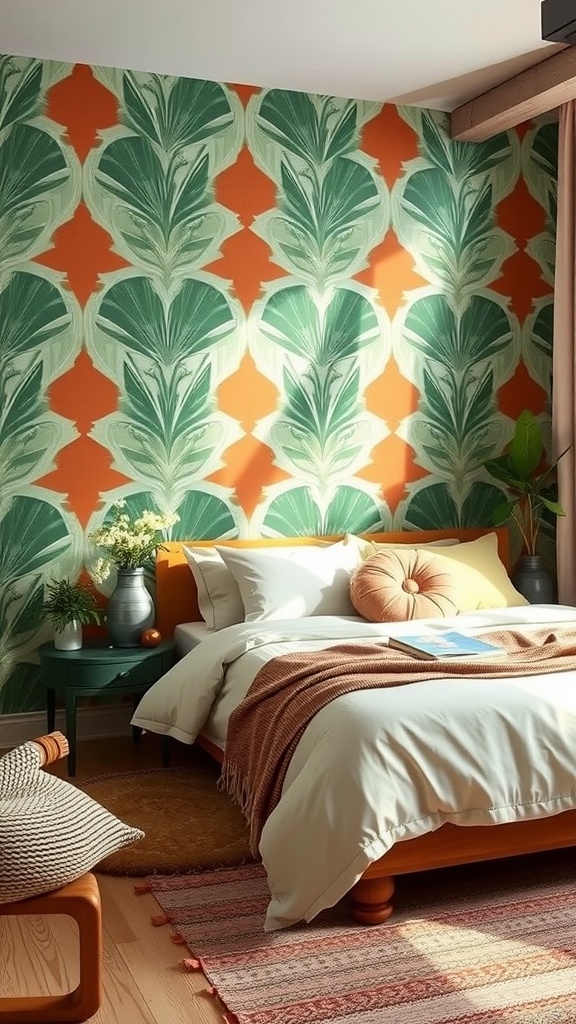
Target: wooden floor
[[143, 980]]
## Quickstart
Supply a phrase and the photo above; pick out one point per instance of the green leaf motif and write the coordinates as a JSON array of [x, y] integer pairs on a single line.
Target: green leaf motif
[[296, 513], [26, 433], [543, 331], [20, 85], [320, 429], [164, 210], [537, 341], [175, 112], [32, 313], [166, 406], [540, 160], [479, 504], [292, 320], [332, 207], [205, 516], [433, 507], [131, 169], [353, 511], [320, 235], [458, 236], [162, 427], [132, 313], [542, 249], [543, 155], [319, 230], [32, 168], [315, 128], [454, 432], [21, 690], [461, 160], [33, 535], [153, 190], [28, 612], [20, 614], [482, 332]]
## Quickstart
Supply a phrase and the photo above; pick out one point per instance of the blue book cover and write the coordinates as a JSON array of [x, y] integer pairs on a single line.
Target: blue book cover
[[449, 644]]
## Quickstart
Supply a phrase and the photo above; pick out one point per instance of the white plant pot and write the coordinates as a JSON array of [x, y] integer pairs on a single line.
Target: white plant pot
[[70, 638]]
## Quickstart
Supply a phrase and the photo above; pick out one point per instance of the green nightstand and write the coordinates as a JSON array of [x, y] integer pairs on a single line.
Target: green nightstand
[[98, 670]]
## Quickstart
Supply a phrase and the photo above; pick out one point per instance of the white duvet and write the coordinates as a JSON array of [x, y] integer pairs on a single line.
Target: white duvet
[[376, 767]]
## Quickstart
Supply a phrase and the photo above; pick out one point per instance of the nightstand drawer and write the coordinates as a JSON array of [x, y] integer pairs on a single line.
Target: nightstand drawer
[[113, 676]]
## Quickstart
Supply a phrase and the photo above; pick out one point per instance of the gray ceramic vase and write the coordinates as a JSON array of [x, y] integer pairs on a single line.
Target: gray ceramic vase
[[534, 581], [130, 609]]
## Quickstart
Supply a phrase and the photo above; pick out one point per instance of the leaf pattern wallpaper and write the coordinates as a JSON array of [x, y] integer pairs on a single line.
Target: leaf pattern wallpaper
[[273, 313]]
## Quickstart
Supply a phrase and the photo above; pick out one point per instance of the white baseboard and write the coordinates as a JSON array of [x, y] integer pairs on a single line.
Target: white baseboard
[[92, 723]]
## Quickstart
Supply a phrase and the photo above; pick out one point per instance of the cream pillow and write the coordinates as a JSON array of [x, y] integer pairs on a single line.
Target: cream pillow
[[293, 582], [479, 575], [219, 598], [368, 547], [50, 832]]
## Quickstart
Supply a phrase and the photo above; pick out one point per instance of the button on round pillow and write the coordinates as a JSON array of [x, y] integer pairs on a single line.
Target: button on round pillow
[[394, 586]]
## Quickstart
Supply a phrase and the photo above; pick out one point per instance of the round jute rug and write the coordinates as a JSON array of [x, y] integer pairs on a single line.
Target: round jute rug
[[189, 823]]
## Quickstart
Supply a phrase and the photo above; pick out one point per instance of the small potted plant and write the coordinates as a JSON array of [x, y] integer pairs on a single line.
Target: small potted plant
[[70, 606], [532, 494]]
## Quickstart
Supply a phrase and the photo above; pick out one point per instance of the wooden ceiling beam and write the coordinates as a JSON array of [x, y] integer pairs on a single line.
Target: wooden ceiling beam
[[541, 88]]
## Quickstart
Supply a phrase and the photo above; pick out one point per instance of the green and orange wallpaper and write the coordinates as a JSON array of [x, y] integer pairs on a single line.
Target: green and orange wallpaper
[[267, 311]]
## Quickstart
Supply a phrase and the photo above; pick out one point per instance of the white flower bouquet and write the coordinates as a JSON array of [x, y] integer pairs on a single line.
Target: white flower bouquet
[[129, 543]]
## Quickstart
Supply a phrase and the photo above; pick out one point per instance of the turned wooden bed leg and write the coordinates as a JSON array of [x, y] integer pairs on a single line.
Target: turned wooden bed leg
[[370, 900]]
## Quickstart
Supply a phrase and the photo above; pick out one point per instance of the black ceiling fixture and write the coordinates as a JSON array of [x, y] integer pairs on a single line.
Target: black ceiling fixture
[[559, 21]]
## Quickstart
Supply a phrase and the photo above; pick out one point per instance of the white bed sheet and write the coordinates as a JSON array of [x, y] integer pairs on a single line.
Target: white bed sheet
[[376, 767], [188, 635]]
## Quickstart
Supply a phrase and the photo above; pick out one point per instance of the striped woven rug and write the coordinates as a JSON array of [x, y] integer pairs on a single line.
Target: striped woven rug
[[491, 944]]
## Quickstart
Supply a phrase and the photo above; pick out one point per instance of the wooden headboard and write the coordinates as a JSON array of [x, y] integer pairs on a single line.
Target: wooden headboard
[[176, 599]]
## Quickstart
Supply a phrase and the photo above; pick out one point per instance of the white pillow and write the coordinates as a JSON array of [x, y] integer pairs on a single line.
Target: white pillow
[[293, 582], [219, 598]]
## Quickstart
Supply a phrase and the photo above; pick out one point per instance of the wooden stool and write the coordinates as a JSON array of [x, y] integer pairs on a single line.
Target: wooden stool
[[79, 900]]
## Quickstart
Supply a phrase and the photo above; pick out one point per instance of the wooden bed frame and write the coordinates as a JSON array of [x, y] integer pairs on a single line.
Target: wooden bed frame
[[176, 601]]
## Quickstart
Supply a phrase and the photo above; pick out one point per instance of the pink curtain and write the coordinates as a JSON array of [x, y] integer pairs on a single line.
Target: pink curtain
[[564, 353]]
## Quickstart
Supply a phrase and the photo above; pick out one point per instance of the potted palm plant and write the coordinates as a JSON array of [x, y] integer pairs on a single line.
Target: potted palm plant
[[70, 606], [532, 492]]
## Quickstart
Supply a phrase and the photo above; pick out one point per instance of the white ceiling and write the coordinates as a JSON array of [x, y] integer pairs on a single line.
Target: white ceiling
[[437, 53]]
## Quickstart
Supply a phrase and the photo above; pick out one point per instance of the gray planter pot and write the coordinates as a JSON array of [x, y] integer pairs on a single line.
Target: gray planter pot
[[534, 581]]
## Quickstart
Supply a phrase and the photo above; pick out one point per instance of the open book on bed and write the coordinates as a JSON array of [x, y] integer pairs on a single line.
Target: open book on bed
[[445, 644]]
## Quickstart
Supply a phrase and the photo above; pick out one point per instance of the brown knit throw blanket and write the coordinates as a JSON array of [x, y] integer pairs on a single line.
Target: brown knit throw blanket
[[288, 691]]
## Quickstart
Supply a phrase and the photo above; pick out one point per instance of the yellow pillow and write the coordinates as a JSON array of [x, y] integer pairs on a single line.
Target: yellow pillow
[[370, 547], [480, 577]]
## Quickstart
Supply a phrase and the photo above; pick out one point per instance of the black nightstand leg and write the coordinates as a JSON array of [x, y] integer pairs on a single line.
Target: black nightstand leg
[[71, 730], [165, 751], [136, 730], [50, 709]]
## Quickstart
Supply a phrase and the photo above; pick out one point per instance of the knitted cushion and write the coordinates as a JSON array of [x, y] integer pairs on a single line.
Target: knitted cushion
[[394, 586], [50, 832]]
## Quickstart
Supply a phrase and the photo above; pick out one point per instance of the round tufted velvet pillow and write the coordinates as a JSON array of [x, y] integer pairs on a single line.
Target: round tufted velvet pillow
[[394, 586]]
